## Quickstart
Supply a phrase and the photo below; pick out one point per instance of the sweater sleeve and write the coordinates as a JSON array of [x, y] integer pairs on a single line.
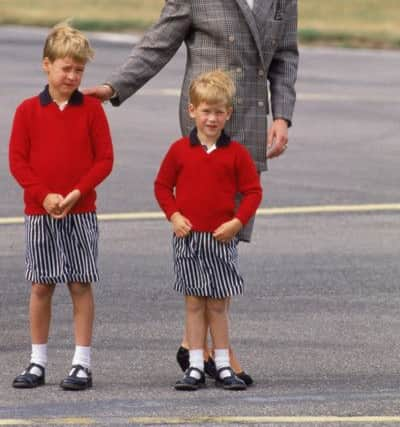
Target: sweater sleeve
[[103, 151], [248, 182], [165, 183], [18, 155]]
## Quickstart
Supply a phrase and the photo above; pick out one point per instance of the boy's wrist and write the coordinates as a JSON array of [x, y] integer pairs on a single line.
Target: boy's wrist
[[174, 216]]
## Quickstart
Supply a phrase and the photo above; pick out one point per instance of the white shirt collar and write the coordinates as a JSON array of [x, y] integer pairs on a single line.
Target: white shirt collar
[[250, 3]]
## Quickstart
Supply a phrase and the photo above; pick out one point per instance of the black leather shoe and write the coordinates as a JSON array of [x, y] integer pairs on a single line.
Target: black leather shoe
[[210, 368], [231, 382], [182, 357], [191, 383], [75, 382], [245, 377], [29, 380]]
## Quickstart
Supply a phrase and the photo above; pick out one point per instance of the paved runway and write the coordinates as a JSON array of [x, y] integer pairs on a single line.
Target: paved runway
[[319, 325]]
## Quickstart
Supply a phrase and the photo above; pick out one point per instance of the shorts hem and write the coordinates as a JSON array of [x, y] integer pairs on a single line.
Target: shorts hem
[[61, 279], [201, 293]]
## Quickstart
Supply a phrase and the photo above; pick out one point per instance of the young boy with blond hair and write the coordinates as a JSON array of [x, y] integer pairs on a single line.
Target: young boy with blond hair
[[60, 150], [196, 187]]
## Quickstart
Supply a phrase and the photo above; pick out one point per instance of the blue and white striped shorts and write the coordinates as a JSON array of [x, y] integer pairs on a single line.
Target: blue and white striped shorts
[[61, 250], [205, 267]]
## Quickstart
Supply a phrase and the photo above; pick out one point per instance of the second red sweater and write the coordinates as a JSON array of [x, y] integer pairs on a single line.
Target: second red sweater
[[203, 187]]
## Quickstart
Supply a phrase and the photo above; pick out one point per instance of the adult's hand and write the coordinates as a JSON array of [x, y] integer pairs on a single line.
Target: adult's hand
[[277, 138], [102, 92]]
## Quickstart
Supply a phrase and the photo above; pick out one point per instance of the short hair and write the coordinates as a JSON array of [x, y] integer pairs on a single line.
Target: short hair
[[212, 87], [63, 41]]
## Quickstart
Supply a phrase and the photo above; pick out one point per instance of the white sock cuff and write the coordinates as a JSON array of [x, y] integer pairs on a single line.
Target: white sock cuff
[[196, 358], [82, 356], [221, 357], [39, 354]]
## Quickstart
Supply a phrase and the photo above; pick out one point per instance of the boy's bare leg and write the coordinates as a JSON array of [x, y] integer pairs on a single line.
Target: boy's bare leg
[[218, 321], [40, 317], [80, 376], [83, 304], [185, 341], [196, 327], [40, 312]]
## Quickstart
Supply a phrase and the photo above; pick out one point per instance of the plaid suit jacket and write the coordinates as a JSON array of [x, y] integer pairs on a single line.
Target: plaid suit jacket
[[255, 48]]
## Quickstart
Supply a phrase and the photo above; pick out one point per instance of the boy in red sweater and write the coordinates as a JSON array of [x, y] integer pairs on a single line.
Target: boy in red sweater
[[60, 150], [196, 187]]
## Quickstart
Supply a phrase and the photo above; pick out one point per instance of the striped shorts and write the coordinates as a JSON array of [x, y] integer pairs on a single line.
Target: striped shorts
[[61, 250], [205, 267]]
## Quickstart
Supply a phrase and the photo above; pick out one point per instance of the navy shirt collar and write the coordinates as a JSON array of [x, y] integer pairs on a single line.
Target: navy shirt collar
[[46, 99], [223, 140]]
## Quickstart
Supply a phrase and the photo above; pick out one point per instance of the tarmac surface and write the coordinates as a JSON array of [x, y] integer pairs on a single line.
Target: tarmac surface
[[318, 327]]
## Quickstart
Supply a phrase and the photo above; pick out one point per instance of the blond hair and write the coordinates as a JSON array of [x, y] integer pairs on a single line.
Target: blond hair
[[212, 87], [63, 41]]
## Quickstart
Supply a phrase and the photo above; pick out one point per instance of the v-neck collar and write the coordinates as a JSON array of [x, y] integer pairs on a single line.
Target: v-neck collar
[[46, 99], [222, 141]]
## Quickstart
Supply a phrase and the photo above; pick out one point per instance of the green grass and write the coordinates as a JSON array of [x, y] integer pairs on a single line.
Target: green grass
[[370, 23]]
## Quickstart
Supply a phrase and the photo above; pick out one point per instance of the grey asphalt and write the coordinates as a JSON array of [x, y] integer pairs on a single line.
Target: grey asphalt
[[319, 324]]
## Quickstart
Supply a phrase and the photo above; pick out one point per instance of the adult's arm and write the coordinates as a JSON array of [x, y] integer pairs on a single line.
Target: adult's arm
[[282, 72], [153, 52]]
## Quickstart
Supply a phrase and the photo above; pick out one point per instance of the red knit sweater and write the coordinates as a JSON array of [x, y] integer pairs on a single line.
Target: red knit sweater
[[202, 186], [53, 151]]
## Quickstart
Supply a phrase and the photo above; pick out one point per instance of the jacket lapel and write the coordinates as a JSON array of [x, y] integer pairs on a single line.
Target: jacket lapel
[[251, 21]]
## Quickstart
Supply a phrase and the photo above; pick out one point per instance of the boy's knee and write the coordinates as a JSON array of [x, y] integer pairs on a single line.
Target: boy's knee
[[216, 306], [40, 290], [195, 305], [79, 289]]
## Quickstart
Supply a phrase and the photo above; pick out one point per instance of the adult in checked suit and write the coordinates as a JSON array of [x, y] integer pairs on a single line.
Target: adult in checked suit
[[254, 40]]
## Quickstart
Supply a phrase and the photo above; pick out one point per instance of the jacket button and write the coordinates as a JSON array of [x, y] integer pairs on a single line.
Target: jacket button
[[240, 101], [260, 73], [238, 70], [260, 103], [231, 38]]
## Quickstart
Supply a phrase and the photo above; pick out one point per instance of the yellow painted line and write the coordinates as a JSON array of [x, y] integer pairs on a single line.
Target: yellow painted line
[[264, 420], [49, 421], [130, 216], [291, 210], [211, 420], [307, 420], [12, 220], [6, 422], [329, 209]]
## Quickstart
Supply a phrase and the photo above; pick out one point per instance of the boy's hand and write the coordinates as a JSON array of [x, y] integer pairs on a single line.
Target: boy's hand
[[180, 224], [228, 230], [67, 203], [51, 204]]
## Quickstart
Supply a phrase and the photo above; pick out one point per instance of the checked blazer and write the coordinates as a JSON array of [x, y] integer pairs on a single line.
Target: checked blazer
[[257, 47]]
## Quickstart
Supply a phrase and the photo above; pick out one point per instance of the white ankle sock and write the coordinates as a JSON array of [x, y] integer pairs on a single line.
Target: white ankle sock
[[221, 357], [82, 356], [196, 360], [39, 356]]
